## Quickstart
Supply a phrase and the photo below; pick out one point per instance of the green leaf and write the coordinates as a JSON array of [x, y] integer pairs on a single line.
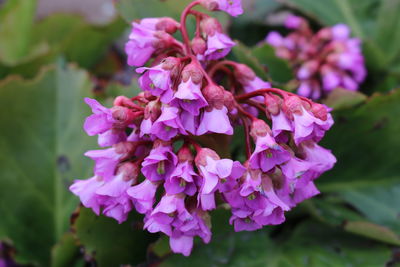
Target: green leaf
[[366, 144], [41, 146], [378, 204], [244, 55], [110, 243], [138, 9], [278, 69], [66, 253], [69, 36], [342, 99], [373, 231], [16, 19], [311, 244]]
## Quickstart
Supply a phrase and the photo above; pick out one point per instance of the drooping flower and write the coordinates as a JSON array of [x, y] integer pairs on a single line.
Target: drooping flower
[[160, 163]]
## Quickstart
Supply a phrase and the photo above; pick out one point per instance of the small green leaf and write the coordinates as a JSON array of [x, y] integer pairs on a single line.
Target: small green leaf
[[110, 243], [342, 99], [278, 69], [373, 231]]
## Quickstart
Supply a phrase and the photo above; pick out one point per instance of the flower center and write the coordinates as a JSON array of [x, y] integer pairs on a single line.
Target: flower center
[[161, 168]]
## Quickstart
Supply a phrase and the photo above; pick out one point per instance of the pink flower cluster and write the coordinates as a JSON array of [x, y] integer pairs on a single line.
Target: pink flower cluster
[[159, 160], [322, 61]]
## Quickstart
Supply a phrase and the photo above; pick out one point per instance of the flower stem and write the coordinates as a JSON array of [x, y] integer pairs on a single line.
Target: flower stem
[[185, 35]]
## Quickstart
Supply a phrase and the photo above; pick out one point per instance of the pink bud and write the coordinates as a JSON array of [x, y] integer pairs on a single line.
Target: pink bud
[[319, 111], [244, 73], [152, 110], [229, 100], [184, 154], [192, 71], [199, 46], [201, 157], [273, 104], [214, 95], [210, 26], [123, 115], [259, 128], [292, 105], [168, 25], [130, 171], [211, 5], [125, 149]]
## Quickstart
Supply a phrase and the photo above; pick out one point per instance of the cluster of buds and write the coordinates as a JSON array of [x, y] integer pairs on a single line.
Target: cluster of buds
[[322, 61], [158, 161]]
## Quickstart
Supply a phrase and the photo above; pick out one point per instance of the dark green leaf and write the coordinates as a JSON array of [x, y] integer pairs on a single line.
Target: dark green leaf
[[66, 253], [110, 243], [311, 244], [41, 146], [342, 99], [366, 144], [244, 55], [278, 69]]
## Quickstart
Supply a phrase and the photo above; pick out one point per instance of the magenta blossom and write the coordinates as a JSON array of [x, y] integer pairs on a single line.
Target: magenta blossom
[[267, 154], [168, 125], [189, 97], [159, 164], [215, 121], [143, 196], [218, 46]]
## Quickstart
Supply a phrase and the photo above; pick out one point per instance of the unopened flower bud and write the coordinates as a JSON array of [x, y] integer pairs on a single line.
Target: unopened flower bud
[[125, 148], [210, 26], [214, 95], [184, 154], [211, 5], [199, 46], [122, 115], [259, 128], [244, 73], [292, 105], [168, 25], [229, 100], [320, 111], [201, 157], [152, 110], [192, 71], [162, 40], [130, 171], [273, 104]]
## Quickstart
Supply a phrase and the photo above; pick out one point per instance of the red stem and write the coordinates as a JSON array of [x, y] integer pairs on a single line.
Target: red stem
[[245, 96], [246, 129], [185, 35], [244, 112]]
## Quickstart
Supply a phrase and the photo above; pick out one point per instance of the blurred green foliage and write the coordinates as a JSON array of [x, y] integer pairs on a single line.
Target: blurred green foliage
[[48, 66]]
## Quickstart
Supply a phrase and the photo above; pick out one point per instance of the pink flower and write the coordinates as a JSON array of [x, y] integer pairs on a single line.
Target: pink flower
[[168, 125], [189, 97], [159, 164], [267, 154], [218, 46], [143, 196], [86, 191], [215, 121]]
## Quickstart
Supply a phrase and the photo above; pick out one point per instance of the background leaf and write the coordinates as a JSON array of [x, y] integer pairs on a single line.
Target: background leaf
[[110, 243], [41, 152]]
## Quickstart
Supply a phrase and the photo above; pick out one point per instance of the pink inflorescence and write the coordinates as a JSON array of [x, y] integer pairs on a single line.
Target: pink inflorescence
[[161, 146], [322, 61]]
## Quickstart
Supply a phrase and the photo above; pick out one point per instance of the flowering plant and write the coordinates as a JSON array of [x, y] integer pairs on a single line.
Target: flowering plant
[[162, 159]]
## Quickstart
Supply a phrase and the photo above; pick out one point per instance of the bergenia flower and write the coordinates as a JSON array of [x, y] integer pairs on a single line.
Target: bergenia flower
[[159, 164]]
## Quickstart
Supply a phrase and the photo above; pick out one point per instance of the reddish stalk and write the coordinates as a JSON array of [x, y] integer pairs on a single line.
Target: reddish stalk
[[244, 112], [185, 35], [255, 104], [261, 92], [246, 130]]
